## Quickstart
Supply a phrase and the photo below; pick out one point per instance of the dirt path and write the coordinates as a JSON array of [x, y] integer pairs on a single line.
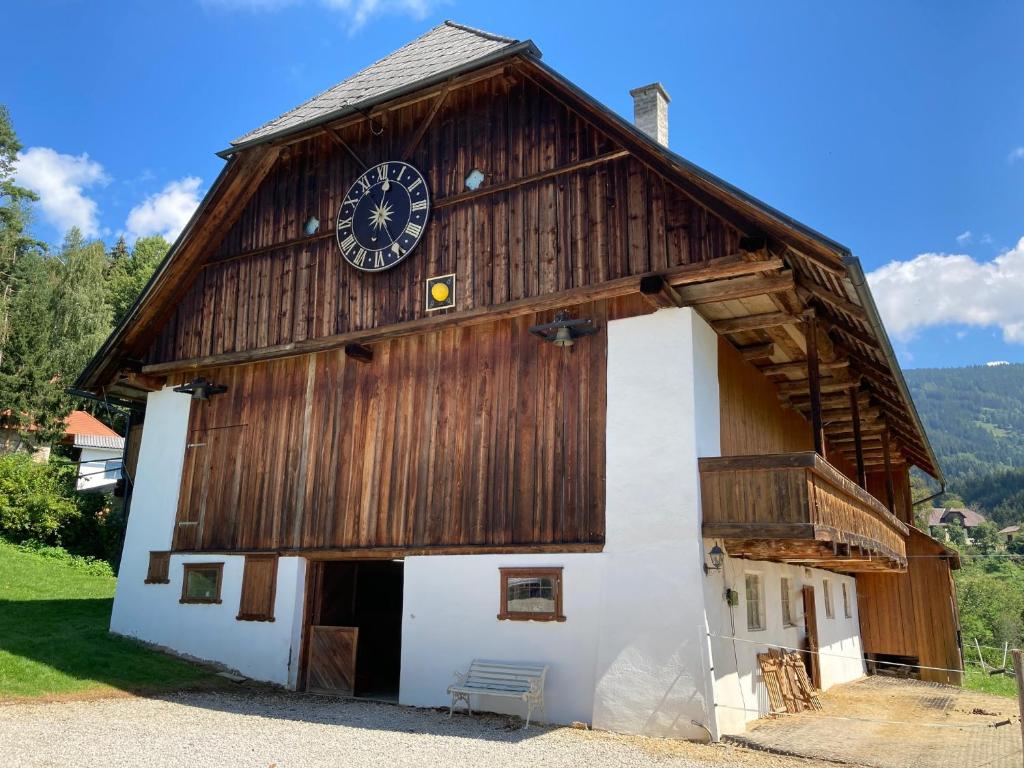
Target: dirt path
[[885, 723]]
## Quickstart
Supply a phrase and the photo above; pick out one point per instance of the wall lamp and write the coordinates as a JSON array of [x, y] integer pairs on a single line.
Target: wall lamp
[[717, 557], [564, 330], [201, 389], [311, 226]]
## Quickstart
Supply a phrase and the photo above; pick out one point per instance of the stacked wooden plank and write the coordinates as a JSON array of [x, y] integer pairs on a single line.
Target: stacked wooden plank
[[785, 679]]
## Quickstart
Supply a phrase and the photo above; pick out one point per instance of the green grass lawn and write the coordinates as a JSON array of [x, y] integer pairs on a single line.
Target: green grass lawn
[[1000, 685], [54, 639]]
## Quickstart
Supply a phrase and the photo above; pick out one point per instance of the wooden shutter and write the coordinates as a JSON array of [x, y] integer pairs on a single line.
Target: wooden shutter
[[159, 568], [259, 586]]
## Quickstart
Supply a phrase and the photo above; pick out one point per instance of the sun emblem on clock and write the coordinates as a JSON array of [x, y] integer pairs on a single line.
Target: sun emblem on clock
[[383, 216]]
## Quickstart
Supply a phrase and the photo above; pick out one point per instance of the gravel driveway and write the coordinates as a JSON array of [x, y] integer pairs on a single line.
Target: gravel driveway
[[284, 730]]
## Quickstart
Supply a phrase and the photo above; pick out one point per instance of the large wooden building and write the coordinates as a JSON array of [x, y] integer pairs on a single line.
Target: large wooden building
[[454, 362]]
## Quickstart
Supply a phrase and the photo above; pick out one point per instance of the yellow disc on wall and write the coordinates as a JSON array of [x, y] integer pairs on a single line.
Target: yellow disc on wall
[[439, 292]]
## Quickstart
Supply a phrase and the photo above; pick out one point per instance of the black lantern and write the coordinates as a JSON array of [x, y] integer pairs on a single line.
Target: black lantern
[[717, 557], [564, 330], [201, 389]]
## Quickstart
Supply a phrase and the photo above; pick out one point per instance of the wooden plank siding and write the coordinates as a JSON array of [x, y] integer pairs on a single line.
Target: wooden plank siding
[[266, 284], [914, 614], [467, 437]]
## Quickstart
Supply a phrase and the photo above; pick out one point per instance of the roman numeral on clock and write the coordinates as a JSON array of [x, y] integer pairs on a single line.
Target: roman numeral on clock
[[348, 244], [419, 205], [412, 229], [382, 171]]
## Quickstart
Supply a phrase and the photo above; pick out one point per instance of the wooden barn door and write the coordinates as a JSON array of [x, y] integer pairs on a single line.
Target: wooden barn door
[[332, 659], [811, 628]]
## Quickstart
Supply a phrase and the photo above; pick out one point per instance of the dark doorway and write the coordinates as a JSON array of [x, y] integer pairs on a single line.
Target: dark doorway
[[355, 632]]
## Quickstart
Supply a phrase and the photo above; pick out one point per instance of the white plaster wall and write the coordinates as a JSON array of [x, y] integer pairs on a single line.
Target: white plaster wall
[[740, 695], [92, 469], [152, 612], [450, 606], [652, 668]]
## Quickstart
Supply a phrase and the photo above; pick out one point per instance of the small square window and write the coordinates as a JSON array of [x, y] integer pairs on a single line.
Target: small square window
[[787, 604], [531, 594], [755, 603], [830, 612], [201, 582], [846, 602]]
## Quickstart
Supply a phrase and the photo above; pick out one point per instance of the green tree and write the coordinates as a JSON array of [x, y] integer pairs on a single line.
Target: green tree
[[128, 272], [986, 538], [81, 315], [15, 205]]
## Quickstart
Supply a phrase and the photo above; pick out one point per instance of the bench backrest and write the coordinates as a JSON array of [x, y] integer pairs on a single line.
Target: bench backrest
[[511, 676]]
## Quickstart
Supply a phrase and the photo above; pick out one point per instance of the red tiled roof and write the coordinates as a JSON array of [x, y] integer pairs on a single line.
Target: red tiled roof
[[82, 423]]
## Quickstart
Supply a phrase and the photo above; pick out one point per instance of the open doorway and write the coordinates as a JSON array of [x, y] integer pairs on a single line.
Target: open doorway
[[354, 636]]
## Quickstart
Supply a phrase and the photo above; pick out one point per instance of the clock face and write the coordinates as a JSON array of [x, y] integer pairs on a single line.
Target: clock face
[[383, 216]]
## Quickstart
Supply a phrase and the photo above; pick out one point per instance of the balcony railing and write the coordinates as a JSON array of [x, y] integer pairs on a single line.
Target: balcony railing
[[798, 508]]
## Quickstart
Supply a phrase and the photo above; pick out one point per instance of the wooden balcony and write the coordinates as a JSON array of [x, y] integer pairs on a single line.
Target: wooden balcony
[[798, 508]]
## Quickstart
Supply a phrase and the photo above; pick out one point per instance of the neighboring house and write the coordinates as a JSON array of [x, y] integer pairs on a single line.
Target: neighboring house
[[98, 450], [545, 391], [1010, 532], [965, 518]]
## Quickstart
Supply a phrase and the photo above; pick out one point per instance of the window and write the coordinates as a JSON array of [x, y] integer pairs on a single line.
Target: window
[[159, 568], [846, 602], [755, 602], [829, 611], [201, 582], [787, 606], [531, 594], [259, 587]]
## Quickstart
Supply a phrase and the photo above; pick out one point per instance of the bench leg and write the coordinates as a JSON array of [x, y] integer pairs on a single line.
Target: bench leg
[[529, 712], [463, 698]]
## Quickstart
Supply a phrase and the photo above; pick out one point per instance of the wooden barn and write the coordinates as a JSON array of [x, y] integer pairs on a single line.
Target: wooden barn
[[453, 362]]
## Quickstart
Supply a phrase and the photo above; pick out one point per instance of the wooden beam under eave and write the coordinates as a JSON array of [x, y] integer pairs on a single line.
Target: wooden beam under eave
[[141, 381], [799, 367], [687, 274], [834, 301], [658, 293], [756, 352], [858, 442], [811, 329], [736, 288], [753, 322]]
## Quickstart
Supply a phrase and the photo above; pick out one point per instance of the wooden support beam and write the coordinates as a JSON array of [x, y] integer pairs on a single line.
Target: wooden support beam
[[862, 477], [475, 194], [845, 329], [753, 322], [360, 352], [811, 330], [140, 381], [336, 138], [736, 288], [726, 266], [756, 352], [799, 367], [804, 387], [834, 301], [422, 129], [658, 293], [890, 493]]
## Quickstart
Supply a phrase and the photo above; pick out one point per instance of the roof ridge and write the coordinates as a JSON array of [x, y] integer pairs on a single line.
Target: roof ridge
[[481, 32]]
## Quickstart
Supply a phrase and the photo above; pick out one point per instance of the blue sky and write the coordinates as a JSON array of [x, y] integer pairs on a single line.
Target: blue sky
[[896, 128]]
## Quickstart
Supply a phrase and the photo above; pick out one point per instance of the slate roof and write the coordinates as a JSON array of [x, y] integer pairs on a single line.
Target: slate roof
[[971, 518], [447, 47]]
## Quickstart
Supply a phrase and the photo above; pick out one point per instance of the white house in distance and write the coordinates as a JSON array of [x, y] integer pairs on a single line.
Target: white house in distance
[[453, 362], [99, 451]]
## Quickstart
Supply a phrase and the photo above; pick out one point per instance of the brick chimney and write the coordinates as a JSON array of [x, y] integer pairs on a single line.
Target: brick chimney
[[650, 111]]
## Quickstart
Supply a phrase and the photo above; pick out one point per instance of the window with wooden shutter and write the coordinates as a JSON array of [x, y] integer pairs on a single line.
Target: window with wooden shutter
[[259, 586], [159, 568]]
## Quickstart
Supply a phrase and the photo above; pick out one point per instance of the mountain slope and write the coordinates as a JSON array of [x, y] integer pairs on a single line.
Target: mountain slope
[[974, 417]]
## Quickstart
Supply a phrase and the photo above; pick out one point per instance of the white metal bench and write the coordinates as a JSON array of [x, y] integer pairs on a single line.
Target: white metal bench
[[510, 679]]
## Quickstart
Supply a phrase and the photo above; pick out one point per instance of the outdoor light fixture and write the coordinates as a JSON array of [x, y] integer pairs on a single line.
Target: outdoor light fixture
[[201, 389], [564, 330], [312, 225], [717, 555]]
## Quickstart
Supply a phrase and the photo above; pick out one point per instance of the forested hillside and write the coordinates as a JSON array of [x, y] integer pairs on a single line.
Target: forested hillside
[[975, 419]]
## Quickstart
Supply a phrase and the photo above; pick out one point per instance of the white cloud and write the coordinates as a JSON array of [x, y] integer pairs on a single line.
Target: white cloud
[[964, 237], [995, 363], [357, 11], [61, 182], [1016, 154], [939, 289], [167, 212]]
